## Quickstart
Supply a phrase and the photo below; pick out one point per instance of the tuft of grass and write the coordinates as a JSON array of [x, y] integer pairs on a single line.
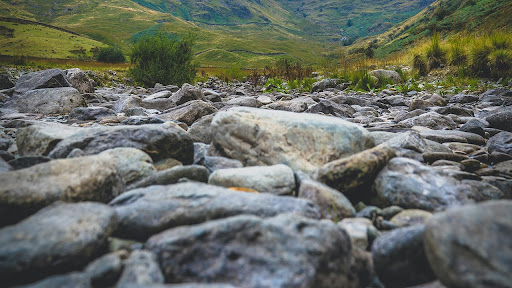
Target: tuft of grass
[[479, 59], [501, 41], [436, 55], [420, 65], [500, 63], [458, 56]]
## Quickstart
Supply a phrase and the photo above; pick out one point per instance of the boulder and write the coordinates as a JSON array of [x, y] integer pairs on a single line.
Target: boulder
[[501, 142], [23, 192], [189, 112], [187, 93], [200, 130], [301, 141], [52, 78], [328, 107], [399, 258], [127, 102], [474, 126], [47, 101], [291, 106], [41, 138], [5, 82], [160, 141], [389, 75], [105, 270], [501, 119], [467, 246], [91, 113], [277, 179], [146, 211], [132, 164], [430, 120], [246, 101], [174, 175], [324, 84], [57, 239], [214, 163], [410, 217], [359, 230], [141, 268], [79, 80], [248, 251]]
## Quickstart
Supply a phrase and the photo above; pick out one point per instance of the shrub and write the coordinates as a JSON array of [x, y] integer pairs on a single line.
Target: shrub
[[420, 65], [500, 62], [480, 59], [435, 54], [234, 72], [111, 54], [457, 55], [161, 59], [363, 81], [500, 41]]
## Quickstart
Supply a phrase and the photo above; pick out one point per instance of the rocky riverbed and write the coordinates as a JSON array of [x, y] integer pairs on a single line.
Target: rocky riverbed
[[221, 185]]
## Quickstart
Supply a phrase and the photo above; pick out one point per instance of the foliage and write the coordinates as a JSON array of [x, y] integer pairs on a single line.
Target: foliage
[[288, 69], [233, 72], [275, 85], [436, 56], [111, 54], [458, 56], [420, 65], [160, 59], [361, 80]]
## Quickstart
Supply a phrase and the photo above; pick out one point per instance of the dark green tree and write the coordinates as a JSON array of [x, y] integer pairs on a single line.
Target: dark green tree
[[111, 54], [163, 59]]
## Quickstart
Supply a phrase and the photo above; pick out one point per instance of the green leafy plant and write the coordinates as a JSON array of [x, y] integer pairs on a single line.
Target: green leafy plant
[[111, 54], [162, 59], [275, 85]]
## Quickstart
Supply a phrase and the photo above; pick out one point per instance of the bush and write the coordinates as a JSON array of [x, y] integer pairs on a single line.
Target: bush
[[500, 62], [111, 54], [480, 60], [234, 72], [420, 65], [164, 60], [457, 55], [435, 54]]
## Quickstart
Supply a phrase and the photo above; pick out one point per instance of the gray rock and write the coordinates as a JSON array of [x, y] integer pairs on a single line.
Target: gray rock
[[92, 178], [127, 102], [57, 239], [140, 268], [27, 161], [246, 101], [331, 203], [501, 119], [79, 80], [430, 120], [277, 179], [495, 97], [91, 113], [443, 136], [408, 140], [463, 98], [328, 107], [47, 101], [399, 258], [144, 212], [284, 251], [131, 164], [173, 175], [160, 104], [475, 126], [105, 271], [501, 142], [75, 280], [411, 184], [410, 217], [455, 110], [301, 141], [52, 78], [41, 138], [160, 141], [358, 230], [200, 130], [141, 120], [291, 106], [324, 84], [386, 74], [213, 163], [466, 246], [187, 93], [5, 82], [189, 112]]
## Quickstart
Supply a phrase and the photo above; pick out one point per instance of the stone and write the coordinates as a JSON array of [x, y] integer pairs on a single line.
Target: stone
[[186, 94], [328, 107], [140, 268], [443, 136], [463, 98], [213, 163], [399, 258], [410, 217], [430, 120], [200, 130], [248, 251], [91, 113], [189, 112], [160, 104], [408, 140], [141, 120], [291, 106], [131, 164], [501, 142], [411, 184], [455, 110], [5, 82], [126, 103], [57, 239], [79, 80], [357, 229], [41, 138], [324, 84], [23, 192], [146, 211], [501, 119], [75, 280], [160, 141], [27, 161], [474, 126], [277, 179], [246, 101], [466, 246], [301, 141], [173, 176], [105, 271], [386, 74], [47, 101], [52, 78], [331, 203], [431, 157], [351, 174], [495, 97]]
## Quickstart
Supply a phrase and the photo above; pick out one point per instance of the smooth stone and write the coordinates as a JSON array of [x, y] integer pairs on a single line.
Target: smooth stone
[[27, 161], [57, 239], [47, 101], [290, 106], [4, 166], [246, 101], [105, 271], [475, 126], [52, 78], [75, 280], [213, 163], [132, 164], [125, 103], [277, 179], [91, 113], [431, 157], [173, 176], [386, 74], [79, 80], [501, 142], [160, 141], [189, 112], [140, 268], [160, 104], [357, 229], [399, 258], [302, 141], [451, 136], [327, 107], [200, 130], [186, 94], [248, 251], [466, 246], [410, 217], [430, 120], [501, 119], [141, 120], [504, 168], [146, 211]]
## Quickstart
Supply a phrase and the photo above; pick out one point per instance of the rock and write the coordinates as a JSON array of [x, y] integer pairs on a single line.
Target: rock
[[430, 120], [140, 268], [5, 82], [411, 217], [495, 97], [213, 163], [505, 185], [431, 157], [291, 106], [386, 74], [160, 104], [93, 178], [277, 179], [126, 103], [418, 105], [47, 101], [187, 93], [75, 280], [501, 119], [284, 251], [301, 141], [200, 130], [324, 84], [501, 142], [138, 120], [189, 112], [328, 107], [137, 111], [160, 141], [57, 239], [463, 98], [331, 203], [79, 80], [27, 161], [131, 164], [144, 212], [91, 113], [411, 184], [443, 136], [105, 271], [474, 126], [358, 230], [173, 175], [350, 175], [246, 101], [466, 246], [399, 258], [408, 140], [52, 78], [4, 166], [455, 110]]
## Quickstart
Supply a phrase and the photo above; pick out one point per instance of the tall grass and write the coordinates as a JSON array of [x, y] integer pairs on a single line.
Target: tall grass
[[436, 55]]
